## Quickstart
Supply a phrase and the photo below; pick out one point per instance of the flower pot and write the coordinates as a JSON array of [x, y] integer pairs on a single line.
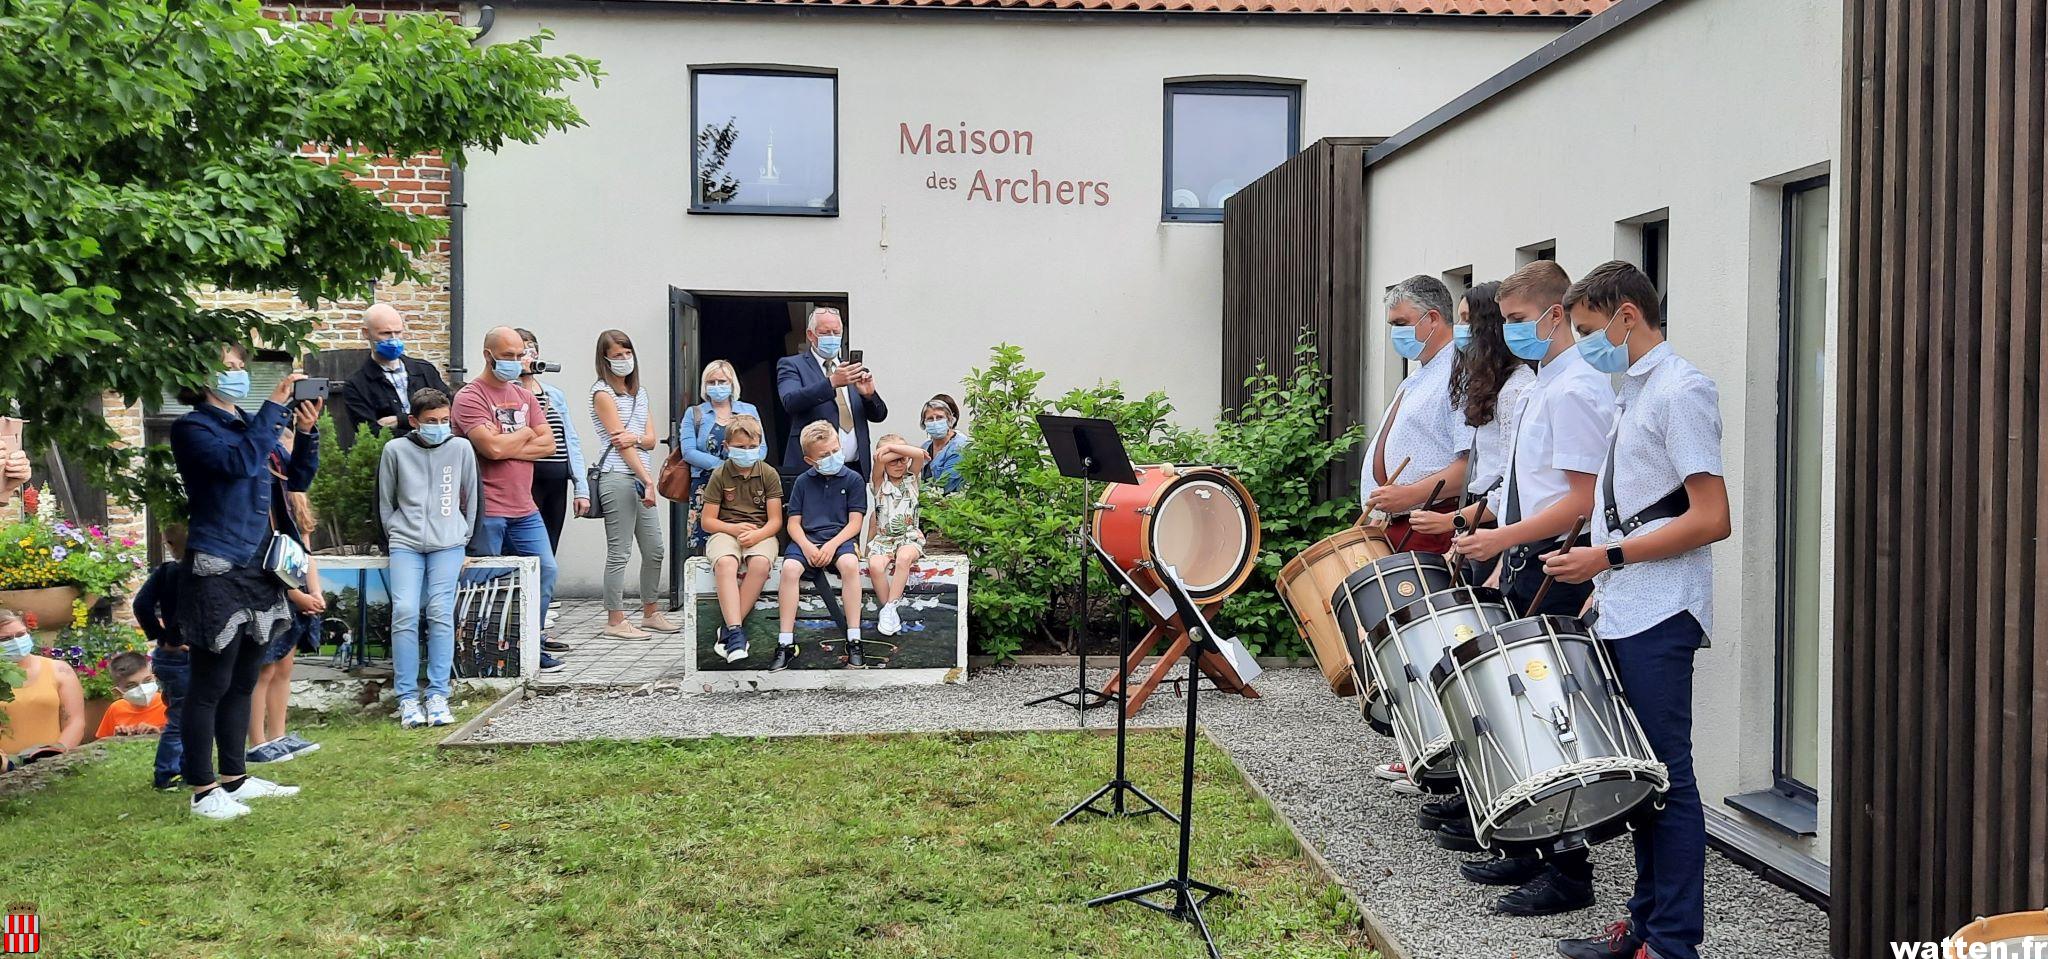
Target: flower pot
[[95, 710], [51, 605]]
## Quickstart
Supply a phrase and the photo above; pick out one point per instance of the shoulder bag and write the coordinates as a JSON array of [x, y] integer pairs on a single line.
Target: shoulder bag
[[674, 481]]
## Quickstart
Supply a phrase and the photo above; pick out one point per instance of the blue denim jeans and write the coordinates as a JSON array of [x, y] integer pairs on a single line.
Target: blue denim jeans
[[423, 588], [173, 671], [516, 536], [1668, 909]]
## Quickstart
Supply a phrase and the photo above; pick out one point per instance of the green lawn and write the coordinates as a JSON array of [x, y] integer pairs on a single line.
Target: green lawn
[[936, 846]]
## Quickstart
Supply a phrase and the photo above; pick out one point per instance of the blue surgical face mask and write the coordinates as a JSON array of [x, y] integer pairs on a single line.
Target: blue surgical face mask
[[1604, 354], [830, 465], [507, 370], [1406, 345], [744, 457], [388, 350], [1523, 340], [1461, 335], [937, 428], [231, 384], [436, 433], [16, 648], [718, 392], [828, 345]]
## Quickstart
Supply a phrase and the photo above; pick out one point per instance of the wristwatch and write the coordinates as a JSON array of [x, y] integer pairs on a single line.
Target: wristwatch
[[1458, 522], [1614, 557]]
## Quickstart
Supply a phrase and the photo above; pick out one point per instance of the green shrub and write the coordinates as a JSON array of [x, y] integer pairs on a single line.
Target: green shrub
[[1015, 517], [1275, 446], [344, 492]]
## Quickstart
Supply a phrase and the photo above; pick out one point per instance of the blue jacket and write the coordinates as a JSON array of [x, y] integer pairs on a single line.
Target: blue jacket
[[224, 460], [696, 442], [578, 479], [807, 397]]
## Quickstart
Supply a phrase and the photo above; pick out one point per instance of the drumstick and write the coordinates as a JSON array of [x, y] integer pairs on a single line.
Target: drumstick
[[1392, 478], [1578, 527], [1410, 531]]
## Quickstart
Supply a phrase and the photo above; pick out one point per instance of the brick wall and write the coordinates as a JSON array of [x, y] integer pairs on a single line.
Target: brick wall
[[417, 185]]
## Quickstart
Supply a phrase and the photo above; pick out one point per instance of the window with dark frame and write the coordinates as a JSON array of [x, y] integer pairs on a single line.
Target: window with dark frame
[[1656, 263], [1220, 136], [1803, 285], [765, 141]]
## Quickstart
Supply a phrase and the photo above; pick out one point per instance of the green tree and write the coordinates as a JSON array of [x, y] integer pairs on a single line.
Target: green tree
[[152, 151]]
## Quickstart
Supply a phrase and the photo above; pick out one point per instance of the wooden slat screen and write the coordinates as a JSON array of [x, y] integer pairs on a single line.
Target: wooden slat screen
[[1941, 666], [1294, 258]]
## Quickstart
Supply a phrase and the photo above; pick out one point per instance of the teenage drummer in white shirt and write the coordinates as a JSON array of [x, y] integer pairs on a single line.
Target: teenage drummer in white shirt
[[1560, 438], [1661, 501], [1420, 428]]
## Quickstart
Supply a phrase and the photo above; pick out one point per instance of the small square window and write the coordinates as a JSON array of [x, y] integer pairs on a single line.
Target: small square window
[[767, 141], [1222, 136]]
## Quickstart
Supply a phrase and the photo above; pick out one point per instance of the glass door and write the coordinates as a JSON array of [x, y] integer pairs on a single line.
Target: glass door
[[1803, 286]]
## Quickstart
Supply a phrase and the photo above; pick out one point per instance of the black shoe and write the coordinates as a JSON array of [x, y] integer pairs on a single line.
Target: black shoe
[[1457, 837], [1618, 942], [1439, 813], [552, 646], [785, 657], [853, 656], [1502, 872], [1546, 895]]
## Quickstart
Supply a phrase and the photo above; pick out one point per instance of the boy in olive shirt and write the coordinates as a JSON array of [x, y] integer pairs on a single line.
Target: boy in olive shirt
[[742, 514]]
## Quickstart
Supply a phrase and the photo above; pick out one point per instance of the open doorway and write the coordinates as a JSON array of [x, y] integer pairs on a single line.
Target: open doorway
[[751, 331]]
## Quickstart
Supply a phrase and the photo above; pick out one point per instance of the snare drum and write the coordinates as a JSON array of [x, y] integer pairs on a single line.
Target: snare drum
[[1306, 584], [1401, 649], [1197, 519], [1547, 746]]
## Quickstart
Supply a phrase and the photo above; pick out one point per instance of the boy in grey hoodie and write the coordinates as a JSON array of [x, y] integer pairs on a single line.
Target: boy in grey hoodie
[[430, 499]]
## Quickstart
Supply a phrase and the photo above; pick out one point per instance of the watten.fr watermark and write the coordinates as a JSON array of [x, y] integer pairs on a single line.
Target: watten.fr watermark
[[2029, 948]]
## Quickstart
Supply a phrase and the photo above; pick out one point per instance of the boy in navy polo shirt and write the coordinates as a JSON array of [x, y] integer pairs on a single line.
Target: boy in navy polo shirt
[[826, 507]]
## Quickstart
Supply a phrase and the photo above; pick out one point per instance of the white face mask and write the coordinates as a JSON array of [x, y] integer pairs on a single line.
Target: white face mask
[[621, 367], [141, 694]]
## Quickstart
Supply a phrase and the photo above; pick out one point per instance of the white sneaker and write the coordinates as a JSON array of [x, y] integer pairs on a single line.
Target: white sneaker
[[409, 713], [217, 804], [438, 713], [256, 787], [888, 622], [1391, 772], [548, 622], [1404, 787]]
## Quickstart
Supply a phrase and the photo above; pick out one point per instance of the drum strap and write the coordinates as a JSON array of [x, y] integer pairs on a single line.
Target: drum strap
[[1674, 503]]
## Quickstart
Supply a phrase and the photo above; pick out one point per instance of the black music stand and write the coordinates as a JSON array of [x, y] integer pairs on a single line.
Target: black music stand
[[1187, 905], [1087, 449], [1118, 785]]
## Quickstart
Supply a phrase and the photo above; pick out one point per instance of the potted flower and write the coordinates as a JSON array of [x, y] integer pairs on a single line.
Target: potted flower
[[48, 563], [87, 646]]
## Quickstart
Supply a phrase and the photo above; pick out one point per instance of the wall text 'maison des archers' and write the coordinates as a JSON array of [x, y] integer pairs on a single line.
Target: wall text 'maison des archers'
[[983, 186]]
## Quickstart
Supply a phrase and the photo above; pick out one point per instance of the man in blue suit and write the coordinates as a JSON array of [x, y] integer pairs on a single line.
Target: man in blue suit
[[817, 385]]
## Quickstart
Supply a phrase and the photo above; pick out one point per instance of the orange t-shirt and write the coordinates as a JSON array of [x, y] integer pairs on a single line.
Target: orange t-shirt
[[124, 713]]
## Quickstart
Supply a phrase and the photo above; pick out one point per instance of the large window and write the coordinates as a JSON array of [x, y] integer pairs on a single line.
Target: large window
[[1222, 136], [1803, 286], [767, 141]]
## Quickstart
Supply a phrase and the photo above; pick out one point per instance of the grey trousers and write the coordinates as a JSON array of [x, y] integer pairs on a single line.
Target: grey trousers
[[625, 520]]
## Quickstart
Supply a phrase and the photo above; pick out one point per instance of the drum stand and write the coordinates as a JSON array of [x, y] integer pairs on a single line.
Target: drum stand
[[1118, 786], [1189, 895]]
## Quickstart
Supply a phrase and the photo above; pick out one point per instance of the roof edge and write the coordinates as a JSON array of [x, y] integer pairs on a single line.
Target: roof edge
[[1571, 41], [1008, 11]]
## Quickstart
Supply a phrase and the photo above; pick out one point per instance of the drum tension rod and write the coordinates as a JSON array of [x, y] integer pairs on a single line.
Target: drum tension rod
[[1563, 722]]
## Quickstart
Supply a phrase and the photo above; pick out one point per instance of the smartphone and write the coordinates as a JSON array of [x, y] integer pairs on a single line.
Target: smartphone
[[310, 388], [10, 434], [853, 356]]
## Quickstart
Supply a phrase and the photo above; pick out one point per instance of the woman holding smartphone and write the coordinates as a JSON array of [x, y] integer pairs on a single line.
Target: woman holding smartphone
[[620, 410]]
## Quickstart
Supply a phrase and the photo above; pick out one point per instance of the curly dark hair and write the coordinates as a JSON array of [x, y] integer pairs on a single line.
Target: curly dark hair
[[1485, 363]]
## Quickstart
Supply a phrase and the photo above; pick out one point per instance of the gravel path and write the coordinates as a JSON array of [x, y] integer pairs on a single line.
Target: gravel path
[[1305, 747]]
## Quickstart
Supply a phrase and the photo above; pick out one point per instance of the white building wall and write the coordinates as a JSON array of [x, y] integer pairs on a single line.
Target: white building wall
[[589, 228], [1704, 107]]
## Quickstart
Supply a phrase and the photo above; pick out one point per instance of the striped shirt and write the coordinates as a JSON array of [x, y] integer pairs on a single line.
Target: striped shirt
[[633, 414], [560, 428]]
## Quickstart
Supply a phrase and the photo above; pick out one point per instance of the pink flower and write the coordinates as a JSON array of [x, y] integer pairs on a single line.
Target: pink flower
[[128, 541]]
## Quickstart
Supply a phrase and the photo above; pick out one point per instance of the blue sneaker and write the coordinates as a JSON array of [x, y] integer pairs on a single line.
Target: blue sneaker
[[274, 751], [734, 644], [549, 664]]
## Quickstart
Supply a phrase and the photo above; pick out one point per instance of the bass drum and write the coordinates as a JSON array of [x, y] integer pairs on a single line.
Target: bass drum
[[1548, 748], [1308, 581], [1402, 649], [1197, 519]]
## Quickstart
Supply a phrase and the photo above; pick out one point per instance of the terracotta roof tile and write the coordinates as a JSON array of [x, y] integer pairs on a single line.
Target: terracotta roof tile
[[1513, 8]]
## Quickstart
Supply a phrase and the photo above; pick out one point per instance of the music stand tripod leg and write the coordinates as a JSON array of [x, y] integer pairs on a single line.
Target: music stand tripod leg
[[1119, 785], [1080, 695]]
